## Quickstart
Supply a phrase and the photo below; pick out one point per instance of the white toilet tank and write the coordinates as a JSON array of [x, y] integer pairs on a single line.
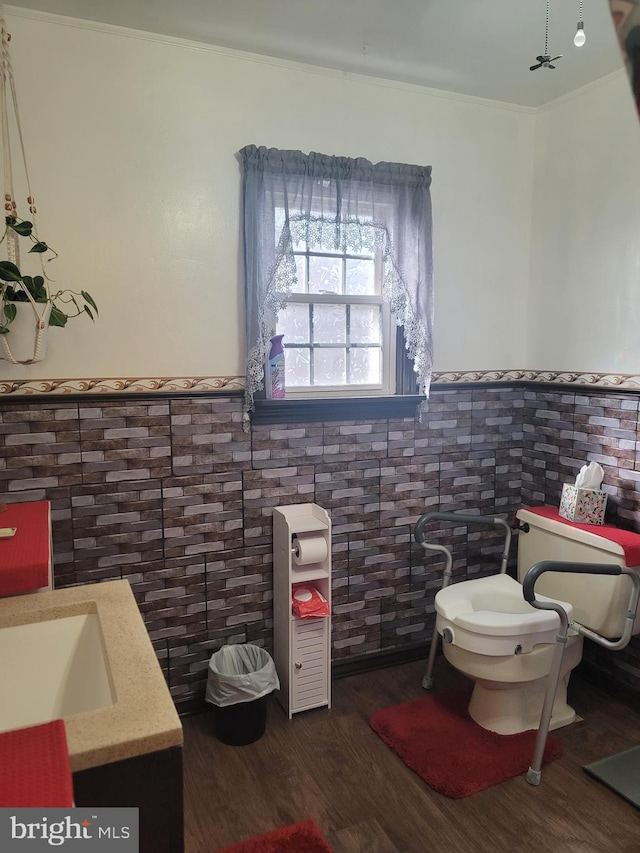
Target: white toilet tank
[[600, 601]]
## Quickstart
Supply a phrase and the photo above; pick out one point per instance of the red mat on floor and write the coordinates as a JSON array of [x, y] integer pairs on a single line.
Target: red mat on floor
[[438, 740], [303, 837]]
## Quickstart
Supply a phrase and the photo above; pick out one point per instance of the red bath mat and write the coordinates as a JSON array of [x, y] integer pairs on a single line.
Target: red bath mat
[[438, 740], [303, 837]]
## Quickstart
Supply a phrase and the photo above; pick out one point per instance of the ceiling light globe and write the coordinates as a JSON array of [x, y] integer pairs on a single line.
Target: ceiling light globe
[[580, 37]]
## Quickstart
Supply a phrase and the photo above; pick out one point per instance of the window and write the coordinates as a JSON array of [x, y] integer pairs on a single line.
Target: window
[[337, 254], [337, 326]]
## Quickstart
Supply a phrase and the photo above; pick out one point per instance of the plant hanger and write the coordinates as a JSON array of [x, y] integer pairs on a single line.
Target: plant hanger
[[15, 226]]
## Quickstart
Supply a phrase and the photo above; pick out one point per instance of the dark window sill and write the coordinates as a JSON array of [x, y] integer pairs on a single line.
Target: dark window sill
[[335, 409]]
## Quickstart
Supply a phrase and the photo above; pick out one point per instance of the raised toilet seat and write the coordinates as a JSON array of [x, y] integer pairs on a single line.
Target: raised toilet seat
[[496, 638], [489, 616]]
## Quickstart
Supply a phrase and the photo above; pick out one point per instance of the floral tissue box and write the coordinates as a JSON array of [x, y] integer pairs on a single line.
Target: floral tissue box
[[584, 506]]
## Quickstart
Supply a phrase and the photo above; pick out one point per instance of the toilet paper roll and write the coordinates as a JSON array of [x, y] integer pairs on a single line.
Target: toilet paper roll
[[310, 550]]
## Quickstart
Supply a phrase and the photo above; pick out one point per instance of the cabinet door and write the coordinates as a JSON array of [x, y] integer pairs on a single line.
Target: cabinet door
[[310, 663]]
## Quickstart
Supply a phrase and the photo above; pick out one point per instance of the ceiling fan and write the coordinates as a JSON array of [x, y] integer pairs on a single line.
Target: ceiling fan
[[545, 60]]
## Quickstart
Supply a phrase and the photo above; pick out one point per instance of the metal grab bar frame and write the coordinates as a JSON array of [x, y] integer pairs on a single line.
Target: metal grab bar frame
[[463, 518], [534, 774]]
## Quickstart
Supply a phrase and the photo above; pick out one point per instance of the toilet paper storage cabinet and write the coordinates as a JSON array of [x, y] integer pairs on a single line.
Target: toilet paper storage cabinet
[[301, 646]]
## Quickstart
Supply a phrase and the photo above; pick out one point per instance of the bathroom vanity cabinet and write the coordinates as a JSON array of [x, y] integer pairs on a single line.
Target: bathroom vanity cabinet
[[151, 783], [124, 743]]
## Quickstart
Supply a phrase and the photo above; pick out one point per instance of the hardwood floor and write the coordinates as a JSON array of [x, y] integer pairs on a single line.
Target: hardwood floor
[[329, 765]]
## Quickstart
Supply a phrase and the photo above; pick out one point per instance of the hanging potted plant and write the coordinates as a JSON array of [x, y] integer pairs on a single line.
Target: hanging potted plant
[[28, 304]]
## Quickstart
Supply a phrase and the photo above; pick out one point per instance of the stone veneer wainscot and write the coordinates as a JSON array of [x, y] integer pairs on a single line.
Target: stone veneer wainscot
[[173, 495]]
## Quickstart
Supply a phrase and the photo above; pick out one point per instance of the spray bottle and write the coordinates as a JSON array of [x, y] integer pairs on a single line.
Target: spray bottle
[[276, 368]]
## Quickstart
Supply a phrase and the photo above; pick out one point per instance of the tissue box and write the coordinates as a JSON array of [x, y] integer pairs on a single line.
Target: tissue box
[[585, 506]]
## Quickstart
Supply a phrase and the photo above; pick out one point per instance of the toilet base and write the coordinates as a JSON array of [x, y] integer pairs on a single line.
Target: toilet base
[[508, 709], [509, 691]]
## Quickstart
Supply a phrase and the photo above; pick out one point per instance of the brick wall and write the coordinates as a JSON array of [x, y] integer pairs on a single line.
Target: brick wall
[[175, 497]]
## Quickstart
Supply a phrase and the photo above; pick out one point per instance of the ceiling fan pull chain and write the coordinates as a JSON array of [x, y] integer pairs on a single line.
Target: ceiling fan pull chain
[[546, 32]]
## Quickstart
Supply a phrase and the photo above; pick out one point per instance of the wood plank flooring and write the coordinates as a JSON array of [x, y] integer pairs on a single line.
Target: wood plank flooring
[[329, 765]]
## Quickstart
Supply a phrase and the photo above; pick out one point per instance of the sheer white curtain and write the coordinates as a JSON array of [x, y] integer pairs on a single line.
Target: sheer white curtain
[[346, 204]]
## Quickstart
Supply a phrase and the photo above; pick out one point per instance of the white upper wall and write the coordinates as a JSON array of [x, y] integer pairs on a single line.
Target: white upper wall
[[131, 143], [584, 300]]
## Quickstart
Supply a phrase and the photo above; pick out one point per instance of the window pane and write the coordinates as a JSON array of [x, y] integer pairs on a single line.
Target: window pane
[[364, 324], [293, 323], [330, 367], [329, 324], [301, 270], [325, 275], [365, 366], [296, 367], [360, 277]]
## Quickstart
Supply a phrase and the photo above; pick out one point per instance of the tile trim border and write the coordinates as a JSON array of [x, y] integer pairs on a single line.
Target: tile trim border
[[97, 387], [627, 381], [226, 384]]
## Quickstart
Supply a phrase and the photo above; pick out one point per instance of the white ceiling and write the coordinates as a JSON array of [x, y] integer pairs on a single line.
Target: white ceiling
[[474, 47]]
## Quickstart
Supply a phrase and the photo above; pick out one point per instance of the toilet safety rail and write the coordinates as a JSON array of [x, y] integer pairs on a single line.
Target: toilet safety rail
[[534, 774], [459, 518]]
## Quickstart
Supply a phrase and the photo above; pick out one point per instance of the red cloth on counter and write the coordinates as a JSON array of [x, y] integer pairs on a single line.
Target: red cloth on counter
[[626, 539], [24, 558], [34, 767]]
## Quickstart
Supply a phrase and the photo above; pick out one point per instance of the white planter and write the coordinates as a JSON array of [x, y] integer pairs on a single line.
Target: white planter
[[26, 341]]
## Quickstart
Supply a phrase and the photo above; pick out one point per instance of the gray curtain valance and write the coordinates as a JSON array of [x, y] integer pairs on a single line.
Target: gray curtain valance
[[350, 205]]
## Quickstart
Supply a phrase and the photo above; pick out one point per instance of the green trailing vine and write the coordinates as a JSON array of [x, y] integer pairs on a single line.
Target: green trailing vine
[[16, 287]]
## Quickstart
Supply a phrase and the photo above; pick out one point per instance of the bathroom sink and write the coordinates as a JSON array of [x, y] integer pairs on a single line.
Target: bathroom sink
[[83, 654], [52, 669]]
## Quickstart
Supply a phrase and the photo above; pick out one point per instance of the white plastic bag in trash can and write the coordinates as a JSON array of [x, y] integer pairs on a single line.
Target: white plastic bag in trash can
[[240, 673]]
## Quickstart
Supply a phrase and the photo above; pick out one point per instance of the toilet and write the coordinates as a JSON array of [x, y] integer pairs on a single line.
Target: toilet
[[505, 646]]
